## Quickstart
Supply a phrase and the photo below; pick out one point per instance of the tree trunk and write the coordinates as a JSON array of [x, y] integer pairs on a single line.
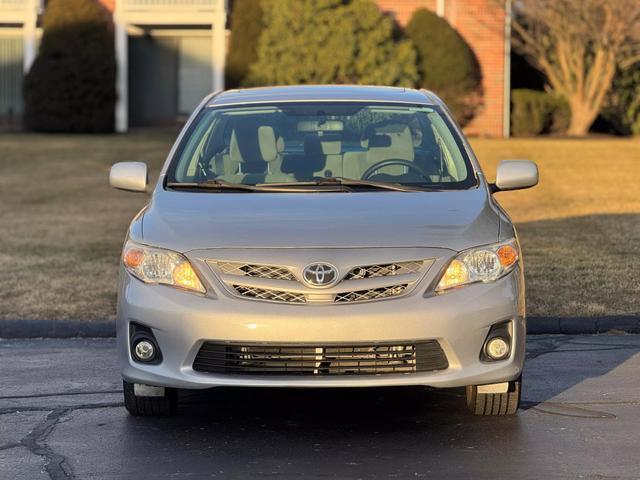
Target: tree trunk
[[582, 117]]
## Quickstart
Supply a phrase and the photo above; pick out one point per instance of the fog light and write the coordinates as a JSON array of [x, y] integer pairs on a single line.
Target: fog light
[[497, 348], [144, 350]]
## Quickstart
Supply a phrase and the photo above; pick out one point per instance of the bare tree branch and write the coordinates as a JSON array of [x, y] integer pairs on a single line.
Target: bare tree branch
[[578, 45]]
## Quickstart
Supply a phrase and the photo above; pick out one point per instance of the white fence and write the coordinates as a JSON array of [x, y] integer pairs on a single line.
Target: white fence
[[174, 5]]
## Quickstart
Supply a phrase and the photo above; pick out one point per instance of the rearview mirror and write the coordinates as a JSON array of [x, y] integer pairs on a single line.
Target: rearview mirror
[[515, 175], [132, 176]]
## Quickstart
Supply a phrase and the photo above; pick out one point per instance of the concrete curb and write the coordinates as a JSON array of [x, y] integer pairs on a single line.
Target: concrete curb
[[107, 328], [583, 325], [57, 328]]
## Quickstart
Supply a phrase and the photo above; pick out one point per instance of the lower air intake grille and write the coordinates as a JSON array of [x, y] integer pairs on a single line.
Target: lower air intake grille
[[259, 359]]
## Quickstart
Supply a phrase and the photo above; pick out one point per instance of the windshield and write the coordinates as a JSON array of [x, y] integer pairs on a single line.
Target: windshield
[[307, 143]]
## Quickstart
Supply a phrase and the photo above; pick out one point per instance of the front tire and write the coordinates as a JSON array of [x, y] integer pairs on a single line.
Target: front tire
[[495, 403], [150, 406]]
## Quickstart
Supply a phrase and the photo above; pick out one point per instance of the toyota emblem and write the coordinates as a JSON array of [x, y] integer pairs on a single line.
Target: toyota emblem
[[320, 274]]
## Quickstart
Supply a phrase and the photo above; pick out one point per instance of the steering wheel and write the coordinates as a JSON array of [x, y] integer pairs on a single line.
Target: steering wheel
[[394, 161]]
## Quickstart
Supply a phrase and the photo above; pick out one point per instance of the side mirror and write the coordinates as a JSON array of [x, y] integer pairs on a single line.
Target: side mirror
[[515, 175], [132, 176]]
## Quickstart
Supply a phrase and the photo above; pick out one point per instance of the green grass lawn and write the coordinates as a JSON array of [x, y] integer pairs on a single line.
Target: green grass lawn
[[63, 226], [580, 227]]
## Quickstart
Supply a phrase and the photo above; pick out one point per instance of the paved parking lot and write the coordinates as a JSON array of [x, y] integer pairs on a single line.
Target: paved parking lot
[[61, 417]]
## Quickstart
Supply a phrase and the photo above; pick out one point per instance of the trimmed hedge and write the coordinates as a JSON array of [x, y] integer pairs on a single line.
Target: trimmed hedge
[[246, 28], [534, 113], [71, 85], [330, 41], [446, 63]]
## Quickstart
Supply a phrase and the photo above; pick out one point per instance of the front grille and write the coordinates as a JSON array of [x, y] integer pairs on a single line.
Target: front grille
[[253, 270], [260, 359], [384, 270], [282, 296], [371, 294], [281, 283], [268, 294]]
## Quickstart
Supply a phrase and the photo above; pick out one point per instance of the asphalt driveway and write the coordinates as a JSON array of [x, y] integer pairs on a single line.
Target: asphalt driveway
[[61, 417]]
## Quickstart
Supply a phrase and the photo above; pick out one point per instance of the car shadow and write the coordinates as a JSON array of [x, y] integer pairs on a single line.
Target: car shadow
[[375, 432], [337, 433]]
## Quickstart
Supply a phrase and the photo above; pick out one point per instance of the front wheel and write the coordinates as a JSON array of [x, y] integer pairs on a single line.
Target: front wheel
[[161, 406], [495, 403]]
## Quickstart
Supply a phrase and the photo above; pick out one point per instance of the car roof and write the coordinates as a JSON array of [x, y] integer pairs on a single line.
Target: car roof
[[322, 93]]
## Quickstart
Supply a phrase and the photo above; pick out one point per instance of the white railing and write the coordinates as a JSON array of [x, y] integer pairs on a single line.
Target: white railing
[[14, 4], [174, 5], [165, 12]]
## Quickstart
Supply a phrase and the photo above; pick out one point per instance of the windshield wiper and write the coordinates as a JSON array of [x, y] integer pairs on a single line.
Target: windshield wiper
[[217, 184], [212, 185], [351, 182], [340, 184]]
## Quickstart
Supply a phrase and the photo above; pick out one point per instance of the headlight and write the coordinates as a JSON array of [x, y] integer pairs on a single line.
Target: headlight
[[481, 264], [159, 266]]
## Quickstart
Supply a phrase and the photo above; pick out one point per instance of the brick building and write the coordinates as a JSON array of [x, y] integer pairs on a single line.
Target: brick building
[[485, 27], [175, 50]]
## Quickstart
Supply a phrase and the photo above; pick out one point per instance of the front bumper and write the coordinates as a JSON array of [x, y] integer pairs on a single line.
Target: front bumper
[[459, 320]]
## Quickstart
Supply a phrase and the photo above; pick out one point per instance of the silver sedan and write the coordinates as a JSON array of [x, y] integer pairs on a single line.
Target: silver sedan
[[322, 236]]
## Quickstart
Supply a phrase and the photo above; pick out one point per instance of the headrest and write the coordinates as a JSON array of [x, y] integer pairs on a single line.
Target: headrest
[[268, 143], [320, 126], [380, 141], [390, 141], [244, 147]]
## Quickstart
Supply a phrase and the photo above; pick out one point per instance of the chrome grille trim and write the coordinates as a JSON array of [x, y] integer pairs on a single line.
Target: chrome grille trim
[[282, 282], [255, 270], [370, 294], [270, 295], [384, 270], [306, 359]]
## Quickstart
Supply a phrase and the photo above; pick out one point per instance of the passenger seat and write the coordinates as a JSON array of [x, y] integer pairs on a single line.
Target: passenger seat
[[269, 152], [271, 149]]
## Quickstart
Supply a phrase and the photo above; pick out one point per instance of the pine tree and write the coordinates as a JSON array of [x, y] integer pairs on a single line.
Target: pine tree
[[246, 27], [446, 63]]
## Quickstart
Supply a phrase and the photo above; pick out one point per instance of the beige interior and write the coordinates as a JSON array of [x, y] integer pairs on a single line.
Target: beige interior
[[331, 149], [271, 149], [392, 141], [400, 147]]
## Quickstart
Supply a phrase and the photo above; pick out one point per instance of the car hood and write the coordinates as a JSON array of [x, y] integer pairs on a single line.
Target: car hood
[[184, 221]]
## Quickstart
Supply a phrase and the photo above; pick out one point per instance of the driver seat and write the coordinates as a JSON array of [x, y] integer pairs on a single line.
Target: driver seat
[[382, 142]]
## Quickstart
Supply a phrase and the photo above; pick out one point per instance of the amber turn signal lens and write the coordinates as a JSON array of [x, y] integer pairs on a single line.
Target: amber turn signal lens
[[133, 257], [184, 276], [507, 255]]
